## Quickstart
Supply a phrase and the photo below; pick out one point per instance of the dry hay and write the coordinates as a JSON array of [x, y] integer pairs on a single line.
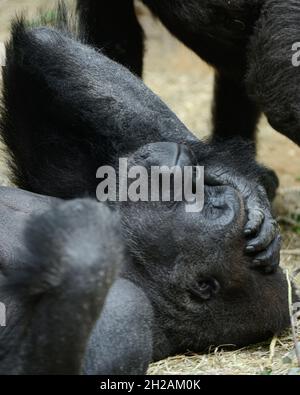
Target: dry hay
[[275, 357], [263, 359]]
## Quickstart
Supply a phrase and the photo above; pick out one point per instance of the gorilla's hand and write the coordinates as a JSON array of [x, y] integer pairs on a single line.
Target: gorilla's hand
[[261, 229], [266, 243]]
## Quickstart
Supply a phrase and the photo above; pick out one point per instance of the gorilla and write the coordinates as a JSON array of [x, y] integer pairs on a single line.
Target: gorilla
[[248, 42], [107, 288], [59, 260]]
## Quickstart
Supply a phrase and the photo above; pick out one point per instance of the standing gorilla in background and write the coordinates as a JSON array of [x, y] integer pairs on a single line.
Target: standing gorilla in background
[[185, 280], [248, 42]]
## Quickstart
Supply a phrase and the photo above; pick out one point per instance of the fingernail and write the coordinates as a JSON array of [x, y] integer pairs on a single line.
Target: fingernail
[[248, 232], [250, 249]]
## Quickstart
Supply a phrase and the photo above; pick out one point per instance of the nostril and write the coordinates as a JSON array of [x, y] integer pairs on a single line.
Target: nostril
[[185, 157]]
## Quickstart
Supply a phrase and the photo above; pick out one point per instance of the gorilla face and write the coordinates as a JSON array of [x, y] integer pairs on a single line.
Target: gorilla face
[[194, 270]]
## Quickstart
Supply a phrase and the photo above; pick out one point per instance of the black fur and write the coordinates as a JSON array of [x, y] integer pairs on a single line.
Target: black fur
[[248, 42], [61, 259], [124, 44], [186, 282], [68, 110]]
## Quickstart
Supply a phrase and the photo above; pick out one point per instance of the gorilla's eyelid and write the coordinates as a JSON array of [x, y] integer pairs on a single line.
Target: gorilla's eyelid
[[206, 288]]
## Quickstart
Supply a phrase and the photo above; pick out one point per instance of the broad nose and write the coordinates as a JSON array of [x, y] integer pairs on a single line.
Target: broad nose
[[185, 156]]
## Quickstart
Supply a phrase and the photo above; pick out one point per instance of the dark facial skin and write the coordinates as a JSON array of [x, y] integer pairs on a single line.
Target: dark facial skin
[[202, 295]]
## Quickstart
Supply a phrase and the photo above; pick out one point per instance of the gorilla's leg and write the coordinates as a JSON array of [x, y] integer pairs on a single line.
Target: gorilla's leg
[[112, 26], [234, 113], [273, 81], [218, 32], [54, 291], [121, 341]]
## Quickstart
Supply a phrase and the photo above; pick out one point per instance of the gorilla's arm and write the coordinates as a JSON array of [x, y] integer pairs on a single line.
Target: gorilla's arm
[[69, 110], [54, 279]]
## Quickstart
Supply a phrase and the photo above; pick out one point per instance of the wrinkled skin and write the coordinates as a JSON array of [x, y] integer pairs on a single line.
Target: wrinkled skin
[[201, 281], [186, 281]]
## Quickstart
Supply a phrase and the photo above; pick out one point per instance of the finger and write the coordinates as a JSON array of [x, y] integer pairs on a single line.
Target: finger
[[256, 218], [268, 232], [269, 260]]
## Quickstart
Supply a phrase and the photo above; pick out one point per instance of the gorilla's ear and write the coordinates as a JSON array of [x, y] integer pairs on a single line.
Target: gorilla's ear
[[68, 109], [121, 342]]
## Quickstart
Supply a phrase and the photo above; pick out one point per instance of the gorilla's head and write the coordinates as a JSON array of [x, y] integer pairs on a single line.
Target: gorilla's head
[[194, 270]]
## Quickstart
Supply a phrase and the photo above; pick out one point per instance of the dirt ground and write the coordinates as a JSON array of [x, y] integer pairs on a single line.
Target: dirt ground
[[185, 83]]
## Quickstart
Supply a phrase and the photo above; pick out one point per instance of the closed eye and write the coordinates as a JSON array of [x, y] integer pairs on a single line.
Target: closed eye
[[205, 289]]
